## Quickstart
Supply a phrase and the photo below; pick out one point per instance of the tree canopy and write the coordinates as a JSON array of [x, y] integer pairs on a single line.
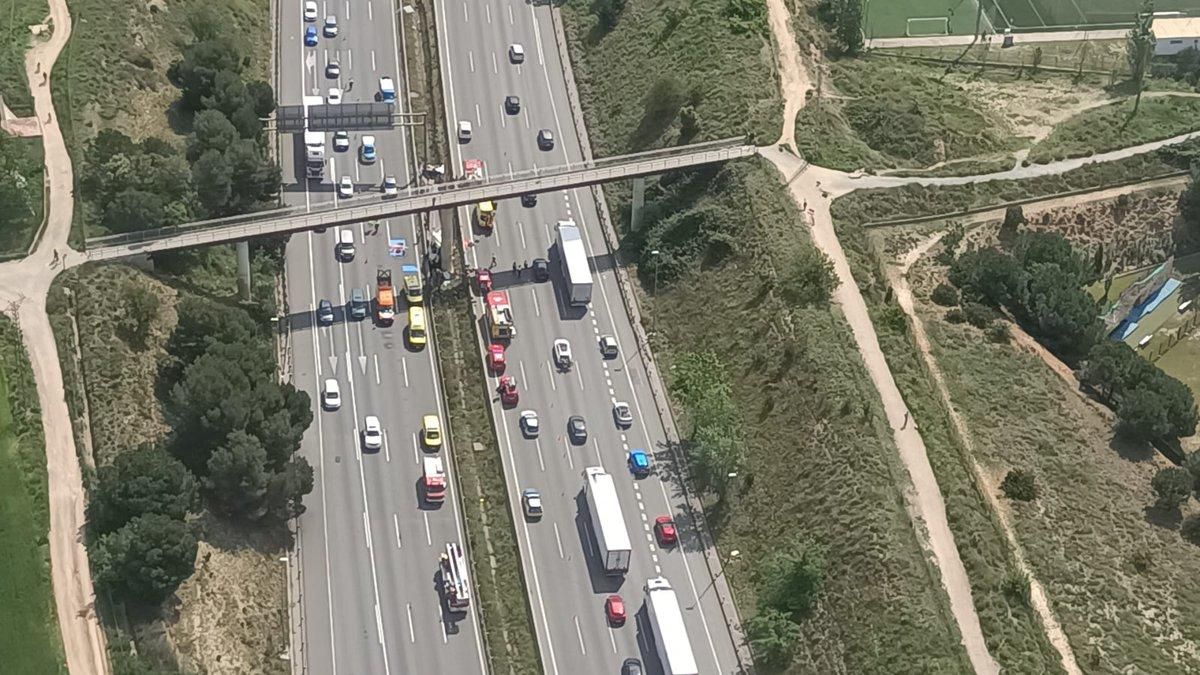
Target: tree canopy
[[146, 559], [144, 481]]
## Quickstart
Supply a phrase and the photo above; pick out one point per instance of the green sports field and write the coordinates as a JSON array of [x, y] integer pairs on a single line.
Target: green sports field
[[913, 18]]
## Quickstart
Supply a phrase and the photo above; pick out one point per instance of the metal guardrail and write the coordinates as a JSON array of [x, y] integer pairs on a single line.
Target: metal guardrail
[[283, 221]]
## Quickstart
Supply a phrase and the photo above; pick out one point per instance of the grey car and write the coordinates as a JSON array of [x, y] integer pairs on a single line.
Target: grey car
[[577, 429], [325, 312], [358, 304]]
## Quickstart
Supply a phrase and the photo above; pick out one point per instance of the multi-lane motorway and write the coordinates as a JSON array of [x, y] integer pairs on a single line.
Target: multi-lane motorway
[[567, 590], [368, 546]]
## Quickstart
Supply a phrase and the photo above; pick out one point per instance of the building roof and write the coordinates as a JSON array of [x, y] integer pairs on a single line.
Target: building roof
[[1176, 27]]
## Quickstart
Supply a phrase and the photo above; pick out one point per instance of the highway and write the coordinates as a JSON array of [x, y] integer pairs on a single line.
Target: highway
[[567, 591], [368, 546]]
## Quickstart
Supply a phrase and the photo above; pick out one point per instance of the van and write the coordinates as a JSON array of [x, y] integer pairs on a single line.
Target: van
[[345, 244], [358, 304], [416, 326]]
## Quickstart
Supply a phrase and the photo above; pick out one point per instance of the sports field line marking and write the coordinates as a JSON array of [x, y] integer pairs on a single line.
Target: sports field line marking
[[1033, 6]]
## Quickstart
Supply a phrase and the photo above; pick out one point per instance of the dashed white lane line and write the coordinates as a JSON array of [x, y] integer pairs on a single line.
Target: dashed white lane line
[[558, 541], [412, 635], [387, 448], [428, 537], [579, 632], [396, 525], [541, 462]]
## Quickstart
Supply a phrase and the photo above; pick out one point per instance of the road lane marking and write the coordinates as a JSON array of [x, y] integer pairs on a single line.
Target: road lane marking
[[549, 374], [579, 632], [367, 529], [558, 540], [396, 525], [478, 117], [404, 366], [471, 60], [612, 639], [503, 116], [495, 69], [387, 452], [347, 12], [428, 537], [371, 17], [526, 116], [579, 374], [349, 61], [316, 344], [510, 15], [524, 379], [376, 359], [372, 53], [379, 625], [443, 625], [570, 459], [488, 11], [412, 636], [466, 18], [521, 230], [537, 443], [537, 309], [416, 450], [528, 546], [537, 39]]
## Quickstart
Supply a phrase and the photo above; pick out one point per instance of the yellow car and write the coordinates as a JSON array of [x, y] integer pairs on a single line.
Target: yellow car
[[416, 327], [431, 431]]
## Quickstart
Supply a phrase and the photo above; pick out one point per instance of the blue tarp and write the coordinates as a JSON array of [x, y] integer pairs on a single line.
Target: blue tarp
[[1130, 323]]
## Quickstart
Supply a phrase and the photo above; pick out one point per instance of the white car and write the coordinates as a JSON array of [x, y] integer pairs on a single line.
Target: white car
[[310, 10], [608, 346], [562, 353], [331, 28], [532, 501], [341, 141], [366, 151], [346, 187], [623, 414], [333, 70], [389, 186], [529, 423], [334, 97], [372, 433], [464, 131], [516, 53], [331, 396]]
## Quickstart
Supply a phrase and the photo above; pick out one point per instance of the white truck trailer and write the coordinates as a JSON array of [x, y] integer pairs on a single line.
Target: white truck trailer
[[314, 143], [575, 271], [670, 635], [608, 523]]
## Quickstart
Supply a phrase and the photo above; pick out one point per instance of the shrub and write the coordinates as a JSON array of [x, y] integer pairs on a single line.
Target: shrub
[[1019, 485], [945, 295], [1173, 485], [1016, 585], [955, 316], [997, 332], [1190, 530], [980, 316], [811, 280]]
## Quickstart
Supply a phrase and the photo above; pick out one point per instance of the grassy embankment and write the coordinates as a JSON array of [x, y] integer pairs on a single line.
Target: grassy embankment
[[232, 612], [21, 167], [29, 635], [1113, 569], [820, 462], [1111, 127]]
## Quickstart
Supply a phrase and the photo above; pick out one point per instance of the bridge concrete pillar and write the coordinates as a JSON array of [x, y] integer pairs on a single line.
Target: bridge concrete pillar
[[639, 199], [243, 269]]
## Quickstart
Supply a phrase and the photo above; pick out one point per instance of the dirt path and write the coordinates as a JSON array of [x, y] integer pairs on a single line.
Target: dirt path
[[924, 502], [23, 288], [1037, 594], [794, 83]]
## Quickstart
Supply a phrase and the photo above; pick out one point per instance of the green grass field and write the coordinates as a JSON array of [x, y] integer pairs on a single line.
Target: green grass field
[[888, 18], [29, 637], [1110, 127]]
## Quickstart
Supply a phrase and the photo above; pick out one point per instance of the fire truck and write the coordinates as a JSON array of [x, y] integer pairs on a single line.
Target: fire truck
[[456, 582], [500, 316]]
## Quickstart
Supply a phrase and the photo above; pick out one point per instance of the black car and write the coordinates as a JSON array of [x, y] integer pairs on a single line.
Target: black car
[[541, 269], [545, 139], [512, 105], [529, 201], [325, 312], [631, 667], [577, 429]]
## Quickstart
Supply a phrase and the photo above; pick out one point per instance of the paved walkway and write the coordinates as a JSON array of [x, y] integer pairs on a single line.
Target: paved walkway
[[23, 288]]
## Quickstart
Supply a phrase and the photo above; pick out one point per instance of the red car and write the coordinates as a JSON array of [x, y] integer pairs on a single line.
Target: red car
[[614, 609], [495, 358], [508, 390], [484, 278], [664, 529]]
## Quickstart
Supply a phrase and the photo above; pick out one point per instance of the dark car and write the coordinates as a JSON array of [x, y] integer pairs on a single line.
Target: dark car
[[577, 429], [541, 269], [529, 201], [512, 105], [545, 139], [358, 304], [631, 667], [325, 312]]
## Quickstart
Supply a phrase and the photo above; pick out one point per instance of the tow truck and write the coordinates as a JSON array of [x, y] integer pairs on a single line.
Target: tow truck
[[500, 316], [385, 298], [483, 277], [508, 390], [485, 215]]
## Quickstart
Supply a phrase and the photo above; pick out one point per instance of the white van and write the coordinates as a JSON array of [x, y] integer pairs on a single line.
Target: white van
[[345, 245]]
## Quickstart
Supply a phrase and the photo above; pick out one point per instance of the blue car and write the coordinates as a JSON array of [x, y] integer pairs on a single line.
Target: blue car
[[310, 36], [639, 463]]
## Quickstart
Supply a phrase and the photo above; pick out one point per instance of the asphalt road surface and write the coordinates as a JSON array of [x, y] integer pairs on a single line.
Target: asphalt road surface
[[566, 585], [369, 545]]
